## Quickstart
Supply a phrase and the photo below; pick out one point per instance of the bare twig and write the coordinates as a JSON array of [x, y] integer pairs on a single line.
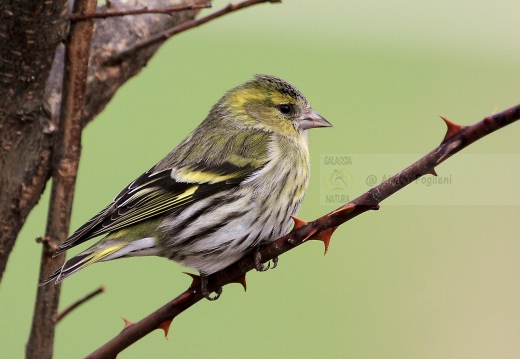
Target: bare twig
[[144, 10], [79, 302], [162, 36], [457, 138], [67, 151]]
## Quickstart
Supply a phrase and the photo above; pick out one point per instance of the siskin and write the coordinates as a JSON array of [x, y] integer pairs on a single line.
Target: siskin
[[228, 188]]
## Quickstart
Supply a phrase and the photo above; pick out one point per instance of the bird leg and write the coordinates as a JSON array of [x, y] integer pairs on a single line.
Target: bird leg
[[204, 289]]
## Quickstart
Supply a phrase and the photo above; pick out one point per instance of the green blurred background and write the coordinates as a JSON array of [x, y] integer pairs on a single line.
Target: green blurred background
[[409, 281]]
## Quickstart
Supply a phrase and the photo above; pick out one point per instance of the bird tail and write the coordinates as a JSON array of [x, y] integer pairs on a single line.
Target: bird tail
[[102, 251]]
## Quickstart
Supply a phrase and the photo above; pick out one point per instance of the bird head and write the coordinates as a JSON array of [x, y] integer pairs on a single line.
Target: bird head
[[271, 104]]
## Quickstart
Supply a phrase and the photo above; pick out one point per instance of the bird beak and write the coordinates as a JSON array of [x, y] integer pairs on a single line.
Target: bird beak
[[311, 119]]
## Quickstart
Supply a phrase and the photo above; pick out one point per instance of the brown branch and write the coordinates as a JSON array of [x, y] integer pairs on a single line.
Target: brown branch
[[162, 36], [457, 138], [144, 10], [79, 302], [65, 165]]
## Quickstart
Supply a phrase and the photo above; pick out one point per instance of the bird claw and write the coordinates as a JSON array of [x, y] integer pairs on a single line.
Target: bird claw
[[275, 263], [206, 295], [261, 267], [204, 289]]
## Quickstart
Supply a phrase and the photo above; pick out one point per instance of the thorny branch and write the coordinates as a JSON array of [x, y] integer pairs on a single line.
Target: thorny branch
[[457, 137]]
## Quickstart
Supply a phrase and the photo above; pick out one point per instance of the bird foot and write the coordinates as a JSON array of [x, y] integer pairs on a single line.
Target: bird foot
[[204, 289], [261, 267]]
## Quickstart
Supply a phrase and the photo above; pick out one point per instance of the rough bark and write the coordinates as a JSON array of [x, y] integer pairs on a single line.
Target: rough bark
[[30, 31]]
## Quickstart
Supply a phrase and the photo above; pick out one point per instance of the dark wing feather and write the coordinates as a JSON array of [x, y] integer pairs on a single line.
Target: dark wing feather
[[153, 194]]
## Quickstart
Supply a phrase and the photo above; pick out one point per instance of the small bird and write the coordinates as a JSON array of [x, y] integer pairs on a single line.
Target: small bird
[[225, 190]]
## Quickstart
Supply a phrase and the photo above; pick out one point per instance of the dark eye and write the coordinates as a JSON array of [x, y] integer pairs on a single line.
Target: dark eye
[[285, 108]]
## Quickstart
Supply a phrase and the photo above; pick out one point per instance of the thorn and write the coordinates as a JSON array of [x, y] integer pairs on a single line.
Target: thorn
[[309, 236], [196, 281], [375, 207], [452, 130], [242, 281], [127, 323], [298, 223], [325, 237], [348, 208], [432, 172], [165, 326], [183, 297]]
